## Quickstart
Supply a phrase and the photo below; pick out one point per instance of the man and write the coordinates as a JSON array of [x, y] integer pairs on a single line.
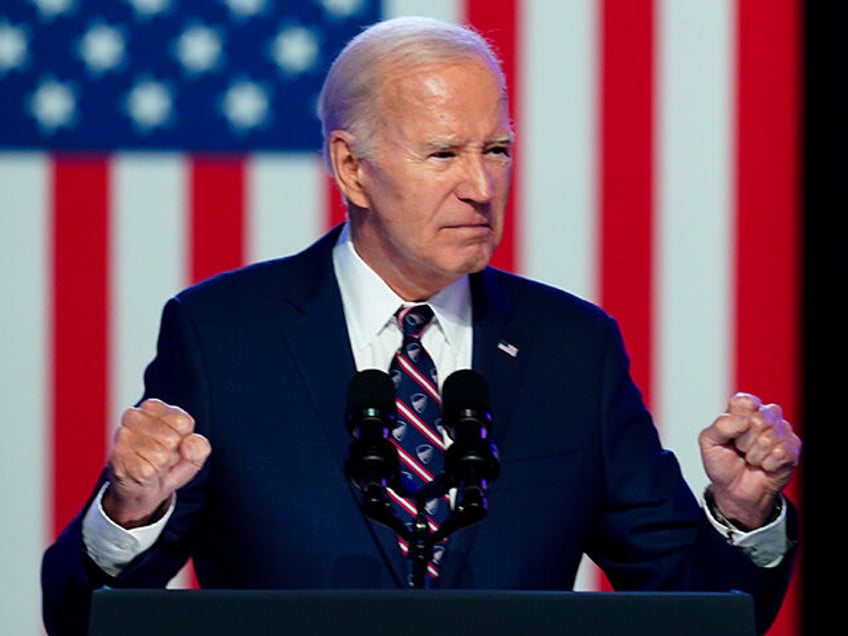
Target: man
[[234, 457]]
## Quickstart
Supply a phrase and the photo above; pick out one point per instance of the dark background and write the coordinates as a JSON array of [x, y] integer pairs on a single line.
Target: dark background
[[823, 460]]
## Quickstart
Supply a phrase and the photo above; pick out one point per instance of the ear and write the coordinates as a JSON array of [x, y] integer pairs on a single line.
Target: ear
[[346, 168]]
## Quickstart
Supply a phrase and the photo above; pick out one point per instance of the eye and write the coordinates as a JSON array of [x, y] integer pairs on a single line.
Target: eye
[[501, 149], [443, 154]]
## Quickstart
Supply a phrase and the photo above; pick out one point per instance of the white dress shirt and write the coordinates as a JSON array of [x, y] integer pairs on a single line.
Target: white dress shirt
[[370, 304]]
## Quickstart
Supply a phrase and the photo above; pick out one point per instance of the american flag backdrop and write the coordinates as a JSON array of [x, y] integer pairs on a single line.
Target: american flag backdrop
[[147, 144]]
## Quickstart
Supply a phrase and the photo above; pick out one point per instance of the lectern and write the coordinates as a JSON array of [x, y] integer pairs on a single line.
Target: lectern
[[418, 613]]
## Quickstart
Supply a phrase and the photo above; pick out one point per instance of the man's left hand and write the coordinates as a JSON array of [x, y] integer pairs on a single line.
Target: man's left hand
[[749, 453]]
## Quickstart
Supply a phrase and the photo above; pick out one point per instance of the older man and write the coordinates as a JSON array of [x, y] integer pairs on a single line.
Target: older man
[[235, 455]]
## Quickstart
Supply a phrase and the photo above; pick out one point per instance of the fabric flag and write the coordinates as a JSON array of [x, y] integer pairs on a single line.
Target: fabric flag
[[147, 144]]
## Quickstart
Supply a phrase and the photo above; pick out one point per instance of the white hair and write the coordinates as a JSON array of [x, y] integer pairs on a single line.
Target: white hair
[[348, 96]]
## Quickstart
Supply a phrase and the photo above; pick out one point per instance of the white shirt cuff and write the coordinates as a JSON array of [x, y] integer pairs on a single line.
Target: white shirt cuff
[[112, 547], [766, 546]]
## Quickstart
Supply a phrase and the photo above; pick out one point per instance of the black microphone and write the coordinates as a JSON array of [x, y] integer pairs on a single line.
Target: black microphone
[[370, 404], [471, 462], [372, 460]]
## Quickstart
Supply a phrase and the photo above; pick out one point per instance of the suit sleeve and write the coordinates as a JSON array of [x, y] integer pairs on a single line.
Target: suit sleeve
[[68, 575], [651, 533]]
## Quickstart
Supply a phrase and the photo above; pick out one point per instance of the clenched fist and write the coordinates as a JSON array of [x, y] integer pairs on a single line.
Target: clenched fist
[[155, 452], [749, 454]]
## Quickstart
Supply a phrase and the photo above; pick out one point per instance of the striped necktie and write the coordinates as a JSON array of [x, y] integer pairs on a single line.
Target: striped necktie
[[417, 433]]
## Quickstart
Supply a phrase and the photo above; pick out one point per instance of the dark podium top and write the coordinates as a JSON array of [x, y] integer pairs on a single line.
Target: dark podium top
[[419, 613]]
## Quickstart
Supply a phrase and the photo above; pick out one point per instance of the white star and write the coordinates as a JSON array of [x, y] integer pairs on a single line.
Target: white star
[[13, 47], [245, 104], [198, 49], [246, 8], [149, 8], [102, 48], [53, 104], [295, 49], [149, 104], [52, 8], [341, 8]]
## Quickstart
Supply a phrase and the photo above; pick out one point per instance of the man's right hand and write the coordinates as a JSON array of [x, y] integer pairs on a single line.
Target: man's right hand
[[155, 452]]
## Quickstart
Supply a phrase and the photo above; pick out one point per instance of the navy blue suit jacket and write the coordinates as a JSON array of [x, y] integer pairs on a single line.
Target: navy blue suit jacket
[[261, 358]]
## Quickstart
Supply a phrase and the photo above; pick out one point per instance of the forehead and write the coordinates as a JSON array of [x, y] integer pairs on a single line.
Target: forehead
[[442, 96]]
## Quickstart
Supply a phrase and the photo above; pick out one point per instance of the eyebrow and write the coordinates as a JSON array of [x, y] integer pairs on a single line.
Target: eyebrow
[[447, 144], [502, 140]]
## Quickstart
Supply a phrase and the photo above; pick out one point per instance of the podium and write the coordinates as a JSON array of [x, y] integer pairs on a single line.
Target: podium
[[418, 613]]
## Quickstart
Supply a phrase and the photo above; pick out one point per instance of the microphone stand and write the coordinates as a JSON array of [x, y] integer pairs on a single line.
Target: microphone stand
[[372, 463], [420, 539], [472, 506]]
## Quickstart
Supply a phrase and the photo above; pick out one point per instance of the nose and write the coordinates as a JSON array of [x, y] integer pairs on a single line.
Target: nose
[[476, 185]]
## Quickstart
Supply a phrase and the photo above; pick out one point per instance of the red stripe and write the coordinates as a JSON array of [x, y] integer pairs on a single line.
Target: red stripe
[[406, 458], [768, 320], [409, 507], [431, 566], [413, 372], [406, 504], [80, 191], [217, 206], [499, 22], [626, 175], [419, 424], [217, 209]]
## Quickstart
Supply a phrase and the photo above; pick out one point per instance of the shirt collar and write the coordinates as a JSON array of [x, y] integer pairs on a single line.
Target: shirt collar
[[370, 303]]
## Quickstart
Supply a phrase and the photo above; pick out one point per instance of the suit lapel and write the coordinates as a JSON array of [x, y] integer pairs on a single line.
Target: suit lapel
[[317, 335], [497, 357], [316, 332]]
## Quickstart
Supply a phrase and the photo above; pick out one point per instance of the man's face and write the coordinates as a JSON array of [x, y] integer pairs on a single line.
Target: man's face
[[436, 181]]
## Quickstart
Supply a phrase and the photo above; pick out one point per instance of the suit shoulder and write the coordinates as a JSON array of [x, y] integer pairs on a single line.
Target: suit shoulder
[[240, 283], [523, 292], [268, 278]]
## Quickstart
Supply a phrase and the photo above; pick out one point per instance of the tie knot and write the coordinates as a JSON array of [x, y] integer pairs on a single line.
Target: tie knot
[[413, 319]]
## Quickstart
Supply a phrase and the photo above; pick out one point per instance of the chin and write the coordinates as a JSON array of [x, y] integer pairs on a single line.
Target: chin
[[475, 264]]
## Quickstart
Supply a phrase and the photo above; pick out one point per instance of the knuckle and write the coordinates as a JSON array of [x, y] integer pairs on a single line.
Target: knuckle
[[145, 474], [179, 421], [158, 456], [745, 400]]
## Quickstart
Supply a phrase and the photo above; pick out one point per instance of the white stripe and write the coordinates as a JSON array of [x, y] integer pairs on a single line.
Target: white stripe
[[285, 204], [448, 10], [409, 507], [25, 284], [423, 474], [431, 567], [555, 199], [419, 378], [695, 212], [402, 502], [149, 262], [419, 424]]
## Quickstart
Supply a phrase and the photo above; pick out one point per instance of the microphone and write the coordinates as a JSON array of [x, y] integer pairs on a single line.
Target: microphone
[[372, 460], [370, 404], [471, 462]]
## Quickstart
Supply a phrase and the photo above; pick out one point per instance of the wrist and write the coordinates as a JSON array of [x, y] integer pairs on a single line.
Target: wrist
[[128, 516], [735, 522]]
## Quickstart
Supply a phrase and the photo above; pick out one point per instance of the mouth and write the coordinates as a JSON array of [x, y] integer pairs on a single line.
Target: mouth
[[473, 225], [471, 234]]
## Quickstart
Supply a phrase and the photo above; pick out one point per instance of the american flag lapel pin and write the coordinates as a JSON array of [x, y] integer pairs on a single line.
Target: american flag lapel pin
[[509, 349]]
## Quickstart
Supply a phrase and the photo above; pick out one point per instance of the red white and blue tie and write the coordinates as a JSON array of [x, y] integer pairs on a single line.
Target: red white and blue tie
[[417, 434]]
